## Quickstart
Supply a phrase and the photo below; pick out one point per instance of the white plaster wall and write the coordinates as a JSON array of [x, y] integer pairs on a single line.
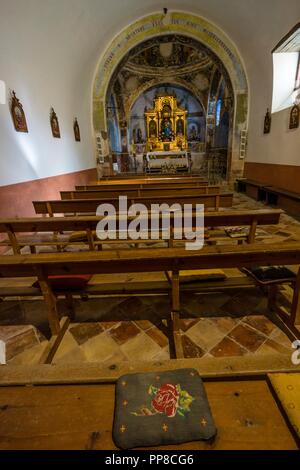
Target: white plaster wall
[[40, 61], [49, 50]]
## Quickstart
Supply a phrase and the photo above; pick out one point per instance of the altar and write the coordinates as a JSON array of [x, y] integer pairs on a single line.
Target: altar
[[167, 162], [166, 126], [166, 146]]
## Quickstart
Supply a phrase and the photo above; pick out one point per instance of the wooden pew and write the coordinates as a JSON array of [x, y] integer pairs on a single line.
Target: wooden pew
[[89, 206], [83, 398], [145, 192], [28, 231], [122, 176], [123, 187], [171, 260], [152, 181], [143, 183]]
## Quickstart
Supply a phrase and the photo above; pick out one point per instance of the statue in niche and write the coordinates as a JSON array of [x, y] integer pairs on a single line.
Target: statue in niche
[[294, 117], [180, 126], [267, 122], [152, 129], [193, 133], [139, 137], [166, 130]]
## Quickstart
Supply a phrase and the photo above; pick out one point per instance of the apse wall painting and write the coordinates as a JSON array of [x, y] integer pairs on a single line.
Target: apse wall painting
[[294, 117], [267, 122], [18, 114], [76, 130], [54, 124]]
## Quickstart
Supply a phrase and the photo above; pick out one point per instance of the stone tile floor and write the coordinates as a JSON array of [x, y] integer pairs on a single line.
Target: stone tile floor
[[115, 329]]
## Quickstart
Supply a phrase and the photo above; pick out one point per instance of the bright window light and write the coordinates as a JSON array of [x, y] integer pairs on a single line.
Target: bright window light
[[286, 68], [2, 92], [284, 71]]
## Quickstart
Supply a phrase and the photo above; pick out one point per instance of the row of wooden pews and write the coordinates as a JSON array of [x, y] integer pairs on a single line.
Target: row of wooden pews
[[61, 232], [235, 385], [79, 231]]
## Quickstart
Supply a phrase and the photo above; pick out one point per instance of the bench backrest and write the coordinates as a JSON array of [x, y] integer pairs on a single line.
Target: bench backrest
[[145, 192], [72, 224], [89, 206]]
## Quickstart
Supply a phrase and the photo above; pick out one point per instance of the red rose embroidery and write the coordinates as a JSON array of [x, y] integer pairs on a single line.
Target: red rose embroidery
[[166, 400]]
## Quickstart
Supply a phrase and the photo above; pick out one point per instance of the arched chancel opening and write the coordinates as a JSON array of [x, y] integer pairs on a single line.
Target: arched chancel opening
[[157, 26]]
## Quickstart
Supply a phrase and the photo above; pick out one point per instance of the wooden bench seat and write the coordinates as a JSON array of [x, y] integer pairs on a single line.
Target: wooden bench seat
[[83, 398], [287, 200], [89, 206], [55, 231], [146, 192], [252, 188], [171, 260]]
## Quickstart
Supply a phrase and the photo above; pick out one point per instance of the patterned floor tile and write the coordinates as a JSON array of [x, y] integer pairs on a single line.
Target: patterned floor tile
[[247, 337], [143, 324], [225, 324], [186, 324], [124, 331], [270, 347], [278, 336], [158, 337], [190, 349], [205, 334], [99, 348], [228, 347], [84, 331], [260, 323], [140, 348]]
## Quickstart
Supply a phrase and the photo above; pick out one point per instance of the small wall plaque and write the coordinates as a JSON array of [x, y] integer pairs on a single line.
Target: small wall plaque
[[294, 117], [54, 124], [267, 122], [76, 130], [18, 114]]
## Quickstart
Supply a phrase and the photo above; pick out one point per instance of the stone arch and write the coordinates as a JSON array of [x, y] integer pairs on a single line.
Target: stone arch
[[190, 25]]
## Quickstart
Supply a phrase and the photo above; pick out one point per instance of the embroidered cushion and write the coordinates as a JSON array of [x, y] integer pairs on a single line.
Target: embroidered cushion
[[161, 408], [67, 282]]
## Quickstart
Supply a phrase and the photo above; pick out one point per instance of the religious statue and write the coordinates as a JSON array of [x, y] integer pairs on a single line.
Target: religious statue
[[166, 130], [180, 127], [152, 129]]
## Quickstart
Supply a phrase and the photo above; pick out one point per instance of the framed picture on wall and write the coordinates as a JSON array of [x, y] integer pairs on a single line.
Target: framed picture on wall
[[54, 124], [294, 117], [76, 130], [18, 114], [267, 122]]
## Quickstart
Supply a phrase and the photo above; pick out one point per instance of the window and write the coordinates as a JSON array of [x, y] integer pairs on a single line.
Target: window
[[286, 68], [297, 83]]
